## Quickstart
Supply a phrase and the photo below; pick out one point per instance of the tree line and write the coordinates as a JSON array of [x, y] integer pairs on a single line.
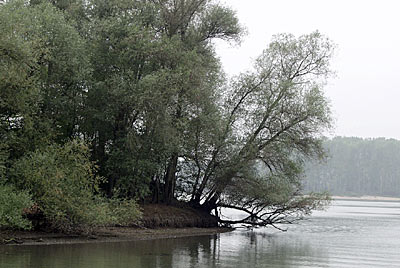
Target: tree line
[[126, 100], [357, 166]]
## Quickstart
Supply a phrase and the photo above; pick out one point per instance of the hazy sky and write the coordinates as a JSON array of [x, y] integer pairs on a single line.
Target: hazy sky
[[365, 95]]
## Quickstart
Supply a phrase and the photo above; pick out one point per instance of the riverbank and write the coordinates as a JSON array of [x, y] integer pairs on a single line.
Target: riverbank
[[158, 221], [101, 235]]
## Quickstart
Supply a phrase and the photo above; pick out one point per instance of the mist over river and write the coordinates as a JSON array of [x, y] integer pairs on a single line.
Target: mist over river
[[349, 234]]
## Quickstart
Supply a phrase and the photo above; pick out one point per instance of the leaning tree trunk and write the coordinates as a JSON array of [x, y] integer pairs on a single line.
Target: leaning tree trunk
[[210, 204], [223, 181]]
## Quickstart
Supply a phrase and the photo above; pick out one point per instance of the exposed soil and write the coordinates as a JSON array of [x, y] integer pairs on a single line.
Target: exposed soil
[[111, 234], [159, 221], [156, 216]]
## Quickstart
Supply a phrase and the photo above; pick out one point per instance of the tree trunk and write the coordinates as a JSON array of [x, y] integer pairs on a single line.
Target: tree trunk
[[99, 154], [210, 204], [155, 190], [170, 179]]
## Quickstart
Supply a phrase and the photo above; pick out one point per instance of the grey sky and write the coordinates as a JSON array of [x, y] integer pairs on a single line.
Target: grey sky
[[365, 95]]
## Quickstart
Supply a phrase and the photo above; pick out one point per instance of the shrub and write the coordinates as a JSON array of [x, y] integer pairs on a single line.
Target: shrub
[[62, 182], [116, 212], [12, 204], [124, 212]]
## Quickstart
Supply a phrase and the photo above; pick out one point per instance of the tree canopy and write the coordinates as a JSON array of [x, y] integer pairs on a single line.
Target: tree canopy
[[140, 83]]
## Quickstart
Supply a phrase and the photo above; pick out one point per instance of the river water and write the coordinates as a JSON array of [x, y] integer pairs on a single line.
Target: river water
[[349, 234]]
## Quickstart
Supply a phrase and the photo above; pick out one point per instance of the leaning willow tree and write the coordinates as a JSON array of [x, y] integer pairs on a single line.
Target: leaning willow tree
[[270, 121]]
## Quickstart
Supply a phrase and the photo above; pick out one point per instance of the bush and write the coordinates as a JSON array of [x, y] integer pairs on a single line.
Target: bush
[[124, 212], [116, 212], [12, 204], [62, 182]]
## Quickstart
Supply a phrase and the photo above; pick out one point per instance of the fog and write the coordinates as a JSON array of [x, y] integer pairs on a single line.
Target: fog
[[365, 93]]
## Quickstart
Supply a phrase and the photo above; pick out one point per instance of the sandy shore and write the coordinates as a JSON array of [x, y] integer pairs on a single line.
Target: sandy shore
[[114, 234], [366, 198]]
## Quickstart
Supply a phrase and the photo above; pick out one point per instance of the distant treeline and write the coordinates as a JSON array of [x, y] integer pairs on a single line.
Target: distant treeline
[[357, 166]]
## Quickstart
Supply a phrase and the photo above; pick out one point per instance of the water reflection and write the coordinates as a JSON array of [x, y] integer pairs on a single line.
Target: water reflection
[[339, 237], [259, 248], [239, 249]]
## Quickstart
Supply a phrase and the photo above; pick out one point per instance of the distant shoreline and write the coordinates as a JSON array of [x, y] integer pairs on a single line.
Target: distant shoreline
[[366, 198]]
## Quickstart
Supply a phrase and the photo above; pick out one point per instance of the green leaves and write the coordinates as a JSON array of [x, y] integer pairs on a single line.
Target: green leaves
[[219, 22], [12, 204], [273, 119], [140, 82], [61, 182], [43, 69]]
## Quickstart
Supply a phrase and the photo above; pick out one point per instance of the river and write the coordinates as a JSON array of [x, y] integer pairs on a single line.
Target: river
[[349, 234]]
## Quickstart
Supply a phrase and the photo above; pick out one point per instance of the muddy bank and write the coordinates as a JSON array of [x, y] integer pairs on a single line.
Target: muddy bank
[[162, 216], [112, 234], [158, 221]]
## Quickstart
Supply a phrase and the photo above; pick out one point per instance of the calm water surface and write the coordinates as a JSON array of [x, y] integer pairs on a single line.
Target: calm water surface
[[349, 234]]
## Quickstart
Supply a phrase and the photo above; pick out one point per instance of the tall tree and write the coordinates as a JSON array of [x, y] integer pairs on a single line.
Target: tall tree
[[272, 119], [43, 74], [154, 70], [196, 23]]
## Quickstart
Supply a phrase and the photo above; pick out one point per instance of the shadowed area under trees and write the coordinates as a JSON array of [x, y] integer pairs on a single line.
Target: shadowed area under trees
[[112, 102]]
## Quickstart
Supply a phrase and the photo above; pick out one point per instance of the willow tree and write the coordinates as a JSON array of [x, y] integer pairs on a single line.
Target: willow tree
[[195, 23], [154, 71], [43, 69], [271, 121]]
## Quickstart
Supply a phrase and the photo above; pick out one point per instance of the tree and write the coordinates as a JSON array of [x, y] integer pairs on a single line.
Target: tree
[[272, 119], [43, 72], [196, 23], [19, 89], [154, 70], [141, 83], [45, 76]]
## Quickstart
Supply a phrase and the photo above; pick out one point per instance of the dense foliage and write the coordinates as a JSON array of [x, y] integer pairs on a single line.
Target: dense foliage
[[140, 84], [12, 204], [357, 166], [62, 183]]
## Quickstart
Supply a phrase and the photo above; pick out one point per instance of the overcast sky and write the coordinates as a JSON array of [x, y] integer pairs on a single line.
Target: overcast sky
[[365, 95]]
